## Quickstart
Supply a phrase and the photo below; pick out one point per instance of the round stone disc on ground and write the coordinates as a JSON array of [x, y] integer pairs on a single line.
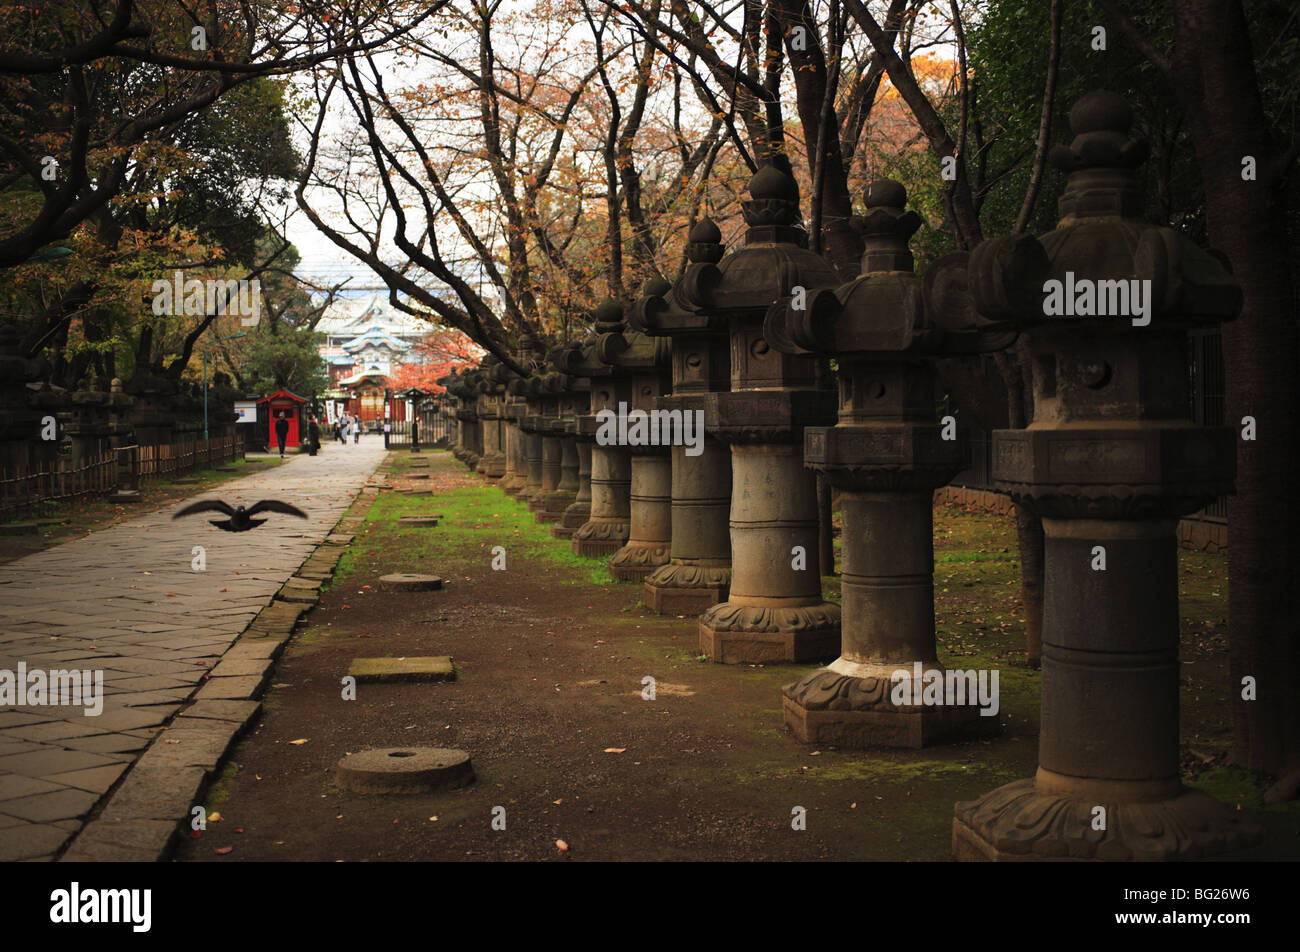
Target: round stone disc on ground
[[410, 582], [417, 520], [405, 770]]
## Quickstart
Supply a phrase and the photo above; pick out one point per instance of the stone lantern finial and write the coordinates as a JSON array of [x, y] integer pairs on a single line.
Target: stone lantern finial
[[609, 317], [1101, 160], [773, 209], [704, 243], [886, 227]]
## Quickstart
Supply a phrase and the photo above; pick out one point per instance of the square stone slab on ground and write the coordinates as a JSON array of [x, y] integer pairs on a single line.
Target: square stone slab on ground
[[380, 670]]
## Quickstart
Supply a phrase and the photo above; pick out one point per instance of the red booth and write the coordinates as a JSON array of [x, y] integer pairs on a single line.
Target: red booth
[[289, 403]]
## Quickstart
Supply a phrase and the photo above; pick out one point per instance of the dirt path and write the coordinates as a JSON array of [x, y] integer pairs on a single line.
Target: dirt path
[[551, 661]]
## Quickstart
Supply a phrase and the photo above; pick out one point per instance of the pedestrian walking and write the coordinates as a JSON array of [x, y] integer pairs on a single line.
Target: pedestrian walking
[[313, 435], [281, 430], [356, 431]]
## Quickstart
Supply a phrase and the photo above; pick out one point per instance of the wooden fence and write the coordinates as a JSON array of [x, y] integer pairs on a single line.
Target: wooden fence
[[153, 463], [66, 479], [61, 480]]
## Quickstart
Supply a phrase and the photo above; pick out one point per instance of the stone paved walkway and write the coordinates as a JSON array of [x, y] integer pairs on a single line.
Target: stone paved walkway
[[126, 601]]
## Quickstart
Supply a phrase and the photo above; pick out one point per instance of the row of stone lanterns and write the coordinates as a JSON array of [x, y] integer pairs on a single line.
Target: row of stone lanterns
[[1110, 462]]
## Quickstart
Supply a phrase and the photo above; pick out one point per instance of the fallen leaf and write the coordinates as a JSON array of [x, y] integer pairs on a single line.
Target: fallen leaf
[[301, 740], [214, 817], [433, 819], [615, 750], [562, 846], [195, 834], [223, 850], [558, 802]]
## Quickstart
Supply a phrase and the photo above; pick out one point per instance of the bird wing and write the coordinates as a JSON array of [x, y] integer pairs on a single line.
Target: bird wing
[[205, 505], [274, 505]]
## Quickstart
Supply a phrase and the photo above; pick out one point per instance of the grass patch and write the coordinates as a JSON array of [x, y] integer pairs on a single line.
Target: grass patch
[[1241, 788], [472, 516]]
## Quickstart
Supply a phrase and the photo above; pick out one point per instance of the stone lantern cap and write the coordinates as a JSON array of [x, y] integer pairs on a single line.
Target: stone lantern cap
[[593, 357], [631, 348], [663, 309], [591, 364], [772, 262], [1103, 265], [887, 311]]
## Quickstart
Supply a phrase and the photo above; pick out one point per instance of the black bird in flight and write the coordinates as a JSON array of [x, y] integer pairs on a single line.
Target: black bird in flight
[[241, 519]]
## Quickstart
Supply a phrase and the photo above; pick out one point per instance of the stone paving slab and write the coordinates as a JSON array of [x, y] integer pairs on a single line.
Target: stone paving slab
[[113, 841], [125, 601], [385, 670], [229, 689]]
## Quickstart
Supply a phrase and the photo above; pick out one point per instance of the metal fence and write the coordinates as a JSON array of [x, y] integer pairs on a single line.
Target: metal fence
[[432, 432]]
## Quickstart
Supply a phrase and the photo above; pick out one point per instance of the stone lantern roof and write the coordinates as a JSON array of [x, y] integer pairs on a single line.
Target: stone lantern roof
[[585, 358], [772, 261], [664, 308], [1102, 235], [631, 348]]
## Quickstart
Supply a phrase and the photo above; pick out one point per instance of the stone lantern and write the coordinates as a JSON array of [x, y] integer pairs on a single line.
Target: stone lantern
[[496, 381], [21, 446], [774, 610], [91, 422], [531, 418], [471, 427], [1110, 462], [523, 475], [454, 383], [646, 360], [492, 464], [550, 502], [462, 388], [886, 456], [698, 573], [512, 409], [560, 443], [577, 445], [607, 529]]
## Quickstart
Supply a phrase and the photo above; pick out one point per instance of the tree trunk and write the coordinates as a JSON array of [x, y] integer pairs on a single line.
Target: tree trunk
[[1014, 368], [1214, 75], [825, 526]]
